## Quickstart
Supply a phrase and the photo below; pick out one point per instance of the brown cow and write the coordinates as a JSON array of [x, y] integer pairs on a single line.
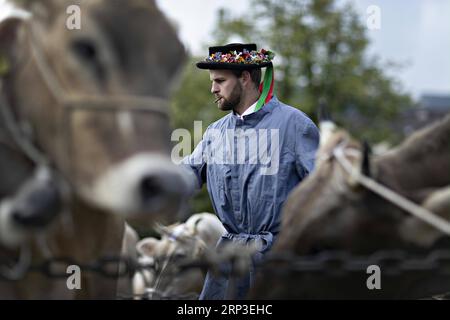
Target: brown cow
[[91, 105], [330, 211]]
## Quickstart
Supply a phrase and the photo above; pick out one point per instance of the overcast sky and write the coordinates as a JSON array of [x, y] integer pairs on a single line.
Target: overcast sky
[[415, 33]]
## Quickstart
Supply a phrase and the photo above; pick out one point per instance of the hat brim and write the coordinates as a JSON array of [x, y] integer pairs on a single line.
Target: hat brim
[[230, 66]]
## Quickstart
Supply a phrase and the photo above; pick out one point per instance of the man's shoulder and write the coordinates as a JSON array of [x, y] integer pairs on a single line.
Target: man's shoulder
[[293, 114], [221, 123]]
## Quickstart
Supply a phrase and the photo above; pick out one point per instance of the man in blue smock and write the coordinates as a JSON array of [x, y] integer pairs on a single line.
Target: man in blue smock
[[251, 158]]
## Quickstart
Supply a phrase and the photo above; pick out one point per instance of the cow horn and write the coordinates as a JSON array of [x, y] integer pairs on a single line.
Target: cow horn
[[323, 113], [326, 125], [161, 229], [365, 164], [196, 225]]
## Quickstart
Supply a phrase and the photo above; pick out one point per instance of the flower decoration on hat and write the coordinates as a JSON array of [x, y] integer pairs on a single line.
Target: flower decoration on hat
[[244, 57]]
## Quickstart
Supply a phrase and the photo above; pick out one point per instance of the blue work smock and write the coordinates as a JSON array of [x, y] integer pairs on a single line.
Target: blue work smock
[[250, 165]]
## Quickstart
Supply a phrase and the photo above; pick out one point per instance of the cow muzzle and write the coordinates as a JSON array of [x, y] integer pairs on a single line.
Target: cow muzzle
[[147, 183], [32, 209]]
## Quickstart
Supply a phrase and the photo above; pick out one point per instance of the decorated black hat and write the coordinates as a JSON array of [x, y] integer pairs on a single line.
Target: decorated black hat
[[238, 56]]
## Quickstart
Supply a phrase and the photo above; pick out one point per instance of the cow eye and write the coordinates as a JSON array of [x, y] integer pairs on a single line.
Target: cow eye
[[179, 256], [84, 49], [87, 52]]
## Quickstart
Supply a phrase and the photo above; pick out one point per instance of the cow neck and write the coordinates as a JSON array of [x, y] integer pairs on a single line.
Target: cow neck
[[340, 153]]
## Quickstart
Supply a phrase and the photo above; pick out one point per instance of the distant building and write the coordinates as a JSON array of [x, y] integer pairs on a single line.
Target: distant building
[[429, 109]]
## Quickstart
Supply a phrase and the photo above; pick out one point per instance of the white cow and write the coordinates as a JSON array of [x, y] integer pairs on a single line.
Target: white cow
[[180, 241]]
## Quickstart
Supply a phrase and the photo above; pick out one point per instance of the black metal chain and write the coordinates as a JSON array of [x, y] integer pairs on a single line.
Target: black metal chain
[[392, 262], [108, 267], [159, 295]]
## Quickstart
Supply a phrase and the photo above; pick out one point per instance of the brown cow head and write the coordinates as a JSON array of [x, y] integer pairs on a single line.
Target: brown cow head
[[329, 211], [95, 99]]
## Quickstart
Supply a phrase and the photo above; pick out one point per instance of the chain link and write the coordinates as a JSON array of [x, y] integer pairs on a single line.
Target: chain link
[[108, 267], [391, 262], [335, 263]]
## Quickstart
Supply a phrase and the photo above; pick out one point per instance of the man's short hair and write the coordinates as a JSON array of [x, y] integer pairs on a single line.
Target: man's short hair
[[255, 75]]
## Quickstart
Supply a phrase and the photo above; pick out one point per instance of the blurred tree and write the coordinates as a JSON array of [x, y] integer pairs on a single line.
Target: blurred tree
[[193, 100], [321, 54]]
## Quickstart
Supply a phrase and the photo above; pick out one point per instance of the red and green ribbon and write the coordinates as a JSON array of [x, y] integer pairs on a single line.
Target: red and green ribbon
[[266, 88]]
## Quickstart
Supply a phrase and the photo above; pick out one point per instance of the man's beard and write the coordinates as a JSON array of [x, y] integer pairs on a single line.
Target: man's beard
[[234, 100]]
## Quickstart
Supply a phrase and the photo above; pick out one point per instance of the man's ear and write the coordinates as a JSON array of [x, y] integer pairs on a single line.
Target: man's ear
[[246, 78], [9, 36]]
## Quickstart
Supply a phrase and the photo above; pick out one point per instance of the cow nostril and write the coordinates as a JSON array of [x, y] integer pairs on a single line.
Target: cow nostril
[[27, 219], [150, 187], [17, 217]]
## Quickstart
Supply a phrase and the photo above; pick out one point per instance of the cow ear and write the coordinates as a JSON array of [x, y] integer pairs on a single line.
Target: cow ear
[[46, 12], [147, 246], [47, 7], [163, 230], [9, 38]]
